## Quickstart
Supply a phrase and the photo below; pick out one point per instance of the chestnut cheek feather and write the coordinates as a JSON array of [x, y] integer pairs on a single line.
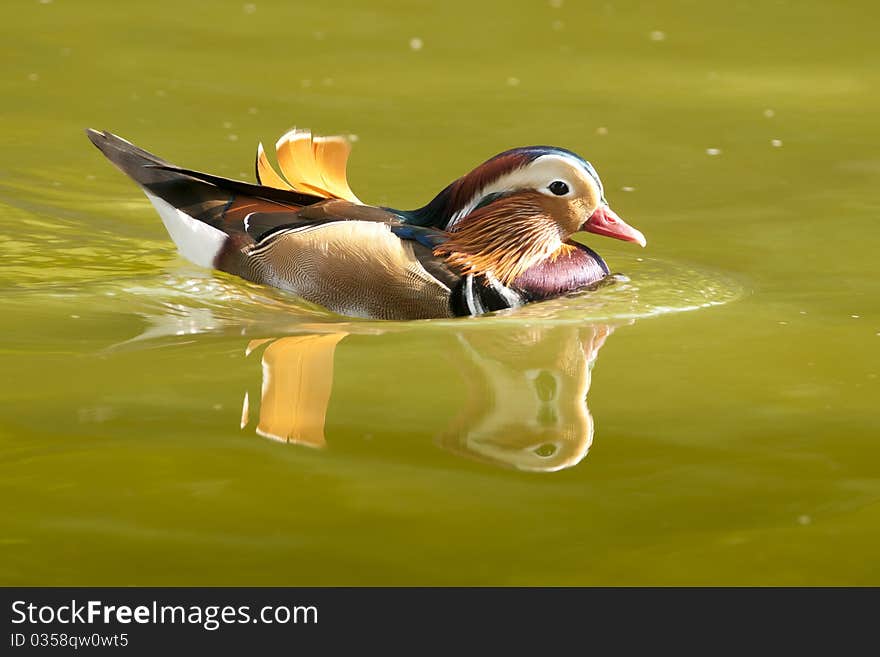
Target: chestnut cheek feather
[[505, 237]]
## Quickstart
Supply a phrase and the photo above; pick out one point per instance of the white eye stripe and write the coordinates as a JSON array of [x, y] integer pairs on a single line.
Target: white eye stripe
[[595, 178], [537, 175]]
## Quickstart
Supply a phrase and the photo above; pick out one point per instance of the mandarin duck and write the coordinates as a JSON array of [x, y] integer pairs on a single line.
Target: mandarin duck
[[496, 238]]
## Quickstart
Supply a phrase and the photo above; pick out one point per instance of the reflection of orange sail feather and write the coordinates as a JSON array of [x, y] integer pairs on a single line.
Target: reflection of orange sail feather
[[313, 165], [526, 403], [297, 380]]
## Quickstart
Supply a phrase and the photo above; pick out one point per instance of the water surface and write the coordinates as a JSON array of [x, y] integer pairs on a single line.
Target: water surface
[[710, 418]]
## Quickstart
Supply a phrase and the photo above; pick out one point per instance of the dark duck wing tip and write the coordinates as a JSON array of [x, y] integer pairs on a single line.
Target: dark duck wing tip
[[130, 159]]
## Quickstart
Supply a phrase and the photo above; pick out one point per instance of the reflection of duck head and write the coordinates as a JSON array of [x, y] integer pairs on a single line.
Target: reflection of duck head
[[526, 393], [527, 401]]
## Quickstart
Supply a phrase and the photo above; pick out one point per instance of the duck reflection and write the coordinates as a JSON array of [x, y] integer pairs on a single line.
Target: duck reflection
[[526, 393], [297, 380], [527, 397]]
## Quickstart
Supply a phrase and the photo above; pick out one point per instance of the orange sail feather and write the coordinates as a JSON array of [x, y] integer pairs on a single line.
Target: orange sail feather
[[313, 165]]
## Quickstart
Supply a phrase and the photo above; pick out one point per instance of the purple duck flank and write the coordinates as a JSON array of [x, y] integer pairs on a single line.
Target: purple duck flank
[[569, 272]]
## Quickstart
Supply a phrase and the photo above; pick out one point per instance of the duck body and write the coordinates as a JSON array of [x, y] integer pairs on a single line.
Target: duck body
[[489, 241]]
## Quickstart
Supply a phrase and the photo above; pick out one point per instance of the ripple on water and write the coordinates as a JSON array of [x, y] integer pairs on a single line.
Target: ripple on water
[[187, 301], [191, 301]]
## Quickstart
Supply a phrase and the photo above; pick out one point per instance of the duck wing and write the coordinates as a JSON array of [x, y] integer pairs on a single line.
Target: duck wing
[[354, 267], [363, 261]]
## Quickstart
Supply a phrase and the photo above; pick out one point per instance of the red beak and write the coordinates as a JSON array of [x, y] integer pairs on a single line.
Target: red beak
[[604, 221]]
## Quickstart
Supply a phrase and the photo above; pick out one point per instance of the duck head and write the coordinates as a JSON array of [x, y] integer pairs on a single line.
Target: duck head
[[519, 209]]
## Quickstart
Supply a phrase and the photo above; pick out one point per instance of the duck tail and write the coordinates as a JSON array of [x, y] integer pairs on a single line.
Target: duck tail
[[183, 203], [143, 167], [200, 211]]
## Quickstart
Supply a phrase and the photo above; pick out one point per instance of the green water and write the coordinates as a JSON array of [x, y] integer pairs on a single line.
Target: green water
[[730, 429]]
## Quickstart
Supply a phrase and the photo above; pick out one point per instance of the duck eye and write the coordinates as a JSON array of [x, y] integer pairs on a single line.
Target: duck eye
[[558, 187]]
